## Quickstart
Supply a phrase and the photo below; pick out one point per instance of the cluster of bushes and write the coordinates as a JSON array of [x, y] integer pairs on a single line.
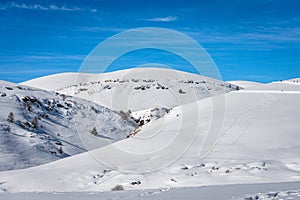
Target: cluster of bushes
[[60, 151], [47, 104], [192, 81], [143, 87], [146, 87]]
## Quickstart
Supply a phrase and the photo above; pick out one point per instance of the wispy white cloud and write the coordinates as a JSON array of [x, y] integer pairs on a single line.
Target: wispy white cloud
[[100, 29], [163, 19], [51, 7], [53, 57]]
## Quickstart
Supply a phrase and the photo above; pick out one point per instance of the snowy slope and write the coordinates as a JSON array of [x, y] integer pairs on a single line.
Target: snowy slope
[[259, 143], [280, 86], [45, 126], [244, 84], [134, 89]]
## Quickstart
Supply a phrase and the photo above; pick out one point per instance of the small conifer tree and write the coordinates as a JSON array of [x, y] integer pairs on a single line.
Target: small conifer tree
[[94, 131], [11, 117], [181, 91], [60, 150]]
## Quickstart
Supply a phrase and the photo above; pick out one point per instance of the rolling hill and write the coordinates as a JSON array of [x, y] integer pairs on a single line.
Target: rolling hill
[[258, 143], [135, 89]]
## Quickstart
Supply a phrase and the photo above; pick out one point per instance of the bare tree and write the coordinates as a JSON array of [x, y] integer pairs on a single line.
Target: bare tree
[[35, 122]]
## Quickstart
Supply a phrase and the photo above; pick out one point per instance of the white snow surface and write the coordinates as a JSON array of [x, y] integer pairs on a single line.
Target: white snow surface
[[259, 143], [269, 191]]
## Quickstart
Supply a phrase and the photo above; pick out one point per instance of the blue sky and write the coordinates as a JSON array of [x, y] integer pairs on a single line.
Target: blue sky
[[257, 40]]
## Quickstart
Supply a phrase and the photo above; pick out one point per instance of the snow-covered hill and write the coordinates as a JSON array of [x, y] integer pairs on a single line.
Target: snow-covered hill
[[244, 84], [38, 127], [135, 89], [259, 143], [46, 124]]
